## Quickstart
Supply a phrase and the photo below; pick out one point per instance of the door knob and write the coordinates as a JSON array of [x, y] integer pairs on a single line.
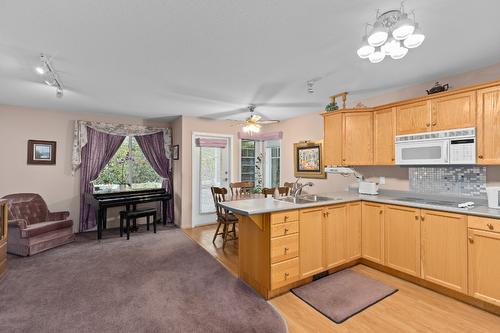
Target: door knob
[[480, 156], [416, 217], [471, 240], [428, 124]]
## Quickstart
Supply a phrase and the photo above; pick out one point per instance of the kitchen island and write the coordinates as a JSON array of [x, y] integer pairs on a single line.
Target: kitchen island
[[427, 240]]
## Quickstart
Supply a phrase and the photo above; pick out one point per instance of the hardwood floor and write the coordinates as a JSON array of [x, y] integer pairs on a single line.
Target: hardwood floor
[[411, 309]]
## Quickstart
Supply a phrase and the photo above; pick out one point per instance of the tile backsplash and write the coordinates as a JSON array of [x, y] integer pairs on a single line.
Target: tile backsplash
[[467, 181]]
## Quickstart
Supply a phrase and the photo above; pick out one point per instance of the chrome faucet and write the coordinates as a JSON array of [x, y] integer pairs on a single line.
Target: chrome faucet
[[297, 187]]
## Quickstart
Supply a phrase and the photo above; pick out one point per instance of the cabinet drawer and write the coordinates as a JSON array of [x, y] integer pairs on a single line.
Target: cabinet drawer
[[285, 247], [282, 217], [284, 229], [284, 273], [484, 223]]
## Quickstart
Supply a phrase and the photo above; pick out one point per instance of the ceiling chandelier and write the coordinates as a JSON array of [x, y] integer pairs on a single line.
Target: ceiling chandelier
[[392, 34]]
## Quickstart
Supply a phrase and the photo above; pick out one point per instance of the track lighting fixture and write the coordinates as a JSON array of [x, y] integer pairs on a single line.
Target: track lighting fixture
[[50, 76]]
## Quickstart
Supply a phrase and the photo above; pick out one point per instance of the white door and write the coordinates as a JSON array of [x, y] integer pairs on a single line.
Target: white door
[[211, 167]]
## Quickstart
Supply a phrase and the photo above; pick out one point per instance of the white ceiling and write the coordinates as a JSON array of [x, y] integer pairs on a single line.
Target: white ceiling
[[162, 58]]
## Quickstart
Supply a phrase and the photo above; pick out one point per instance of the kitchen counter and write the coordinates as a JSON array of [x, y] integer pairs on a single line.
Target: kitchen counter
[[269, 205]]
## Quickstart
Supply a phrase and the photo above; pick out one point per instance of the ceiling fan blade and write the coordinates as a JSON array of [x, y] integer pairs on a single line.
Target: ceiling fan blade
[[290, 105], [268, 122], [268, 91], [255, 118], [224, 114]]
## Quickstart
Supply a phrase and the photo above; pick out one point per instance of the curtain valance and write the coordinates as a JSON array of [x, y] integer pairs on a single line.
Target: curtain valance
[[80, 136], [214, 143]]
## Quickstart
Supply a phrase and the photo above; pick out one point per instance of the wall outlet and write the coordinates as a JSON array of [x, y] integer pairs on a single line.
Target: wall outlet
[[381, 180]]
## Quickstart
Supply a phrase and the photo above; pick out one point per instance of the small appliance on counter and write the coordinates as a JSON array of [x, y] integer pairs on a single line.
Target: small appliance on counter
[[493, 196], [368, 188]]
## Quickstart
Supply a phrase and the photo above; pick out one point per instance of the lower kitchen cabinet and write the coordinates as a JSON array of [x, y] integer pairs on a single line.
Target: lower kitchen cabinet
[[311, 241], [372, 232], [353, 231], [444, 249], [484, 259], [402, 239], [335, 233]]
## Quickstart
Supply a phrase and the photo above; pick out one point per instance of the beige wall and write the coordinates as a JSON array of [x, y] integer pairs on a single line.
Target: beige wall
[[53, 182]]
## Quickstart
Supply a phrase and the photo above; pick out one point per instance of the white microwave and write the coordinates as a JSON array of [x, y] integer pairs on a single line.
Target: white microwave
[[437, 148]]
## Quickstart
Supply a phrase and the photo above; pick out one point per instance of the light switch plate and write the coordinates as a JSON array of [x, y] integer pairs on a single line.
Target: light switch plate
[[381, 180]]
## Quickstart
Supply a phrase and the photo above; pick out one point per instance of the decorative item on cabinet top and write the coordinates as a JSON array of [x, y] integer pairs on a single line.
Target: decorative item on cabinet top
[[437, 88], [333, 106]]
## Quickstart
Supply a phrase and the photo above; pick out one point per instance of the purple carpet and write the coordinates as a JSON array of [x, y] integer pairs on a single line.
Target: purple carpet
[[160, 282], [341, 295]]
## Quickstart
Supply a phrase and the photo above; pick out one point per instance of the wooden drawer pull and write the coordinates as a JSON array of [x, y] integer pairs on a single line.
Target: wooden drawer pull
[[286, 274], [490, 226], [286, 250], [286, 230], [471, 240]]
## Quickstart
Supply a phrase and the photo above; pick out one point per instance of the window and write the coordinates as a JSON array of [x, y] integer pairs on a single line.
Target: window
[[270, 152], [248, 154], [128, 166]]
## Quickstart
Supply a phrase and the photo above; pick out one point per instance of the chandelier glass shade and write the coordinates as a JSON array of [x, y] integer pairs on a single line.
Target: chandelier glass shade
[[251, 128], [392, 34]]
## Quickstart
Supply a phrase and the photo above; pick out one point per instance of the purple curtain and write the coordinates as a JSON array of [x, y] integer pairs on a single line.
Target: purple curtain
[[98, 151], [153, 147]]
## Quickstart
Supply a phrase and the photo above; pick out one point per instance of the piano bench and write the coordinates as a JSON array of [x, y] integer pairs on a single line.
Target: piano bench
[[135, 214]]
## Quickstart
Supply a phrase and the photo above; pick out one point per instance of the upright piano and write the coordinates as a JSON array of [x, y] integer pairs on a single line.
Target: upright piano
[[129, 198]]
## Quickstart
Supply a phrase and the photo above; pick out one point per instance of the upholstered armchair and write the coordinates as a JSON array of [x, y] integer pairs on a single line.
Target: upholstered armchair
[[32, 228]]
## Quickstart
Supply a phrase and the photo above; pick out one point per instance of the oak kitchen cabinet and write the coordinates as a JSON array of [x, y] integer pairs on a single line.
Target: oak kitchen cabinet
[[453, 111], [484, 258], [333, 139], [413, 118], [383, 136], [488, 125], [402, 239], [335, 235], [444, 249], [311, 241], [353, 230], [357, 133], [372, 229]]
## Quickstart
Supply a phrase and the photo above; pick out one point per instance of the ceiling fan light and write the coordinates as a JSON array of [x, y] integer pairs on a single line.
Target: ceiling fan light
[[378, 35], [376, 56], [365, 49], [403, 28], [415, 39], [399, 53], [390, 46]]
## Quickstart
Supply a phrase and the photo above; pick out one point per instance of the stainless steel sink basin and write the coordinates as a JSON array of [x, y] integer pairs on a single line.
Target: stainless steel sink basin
[[303, 199]]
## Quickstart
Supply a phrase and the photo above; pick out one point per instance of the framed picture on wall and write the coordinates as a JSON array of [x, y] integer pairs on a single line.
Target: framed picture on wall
[[308, 159], [175, 152], [42, 152]]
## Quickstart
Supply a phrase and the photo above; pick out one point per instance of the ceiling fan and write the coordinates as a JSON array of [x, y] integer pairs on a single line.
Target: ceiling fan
[[254, 122]]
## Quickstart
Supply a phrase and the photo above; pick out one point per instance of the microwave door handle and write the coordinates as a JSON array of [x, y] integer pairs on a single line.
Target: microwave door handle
[[447, 152]]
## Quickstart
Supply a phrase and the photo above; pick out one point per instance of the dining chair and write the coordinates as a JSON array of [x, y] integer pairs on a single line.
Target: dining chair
[[241, 188], [224, 217], [283, 191]]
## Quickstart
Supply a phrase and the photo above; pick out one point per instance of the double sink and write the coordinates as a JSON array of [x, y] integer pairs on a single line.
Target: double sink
[[309, 198]]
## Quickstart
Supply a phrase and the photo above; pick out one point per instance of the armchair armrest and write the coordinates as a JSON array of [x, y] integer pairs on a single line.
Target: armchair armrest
[[19, 224], [57, 216]]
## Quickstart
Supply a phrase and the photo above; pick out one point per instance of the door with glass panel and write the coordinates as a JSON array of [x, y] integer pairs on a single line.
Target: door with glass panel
[[211, 167]]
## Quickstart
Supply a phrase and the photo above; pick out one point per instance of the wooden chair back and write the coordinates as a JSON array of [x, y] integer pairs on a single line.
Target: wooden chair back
[[283, 191], [219, 195], [241, 188]]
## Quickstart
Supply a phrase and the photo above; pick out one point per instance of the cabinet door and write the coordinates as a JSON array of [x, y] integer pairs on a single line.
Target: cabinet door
[[335, 235], [333, 139], [488, 125], [383, 138], [402, 239], [353, 231], [444, 249], [484, 268], [311, 241], [413, 118], [358, 138], [455, 111], [372, 232]]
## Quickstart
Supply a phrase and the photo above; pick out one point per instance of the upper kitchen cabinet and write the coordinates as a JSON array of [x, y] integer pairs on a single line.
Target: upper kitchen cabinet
[[453, 111], [357, 138], [383, 138], [333, 139], [488, 125], [413, 118]]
